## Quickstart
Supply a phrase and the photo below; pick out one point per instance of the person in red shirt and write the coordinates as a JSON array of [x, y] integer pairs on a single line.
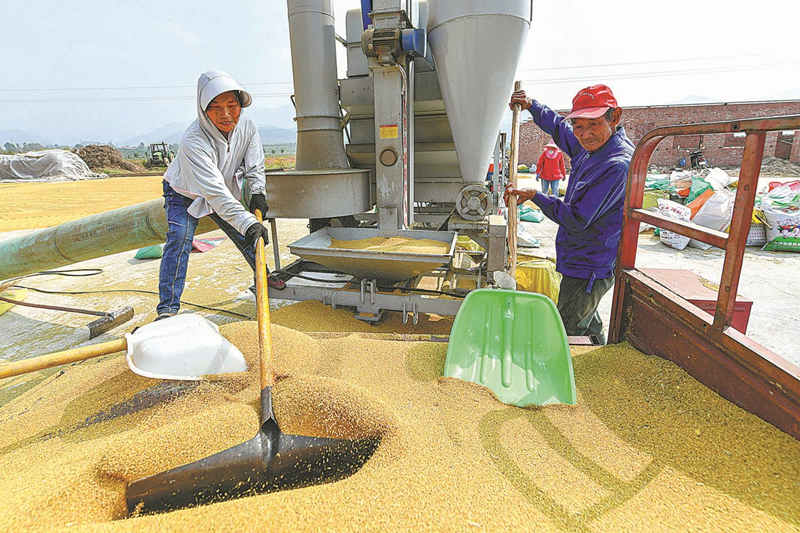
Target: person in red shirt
[[550, 169]]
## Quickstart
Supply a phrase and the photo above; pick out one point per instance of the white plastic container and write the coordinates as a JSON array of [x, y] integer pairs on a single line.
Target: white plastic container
[[185, 347]]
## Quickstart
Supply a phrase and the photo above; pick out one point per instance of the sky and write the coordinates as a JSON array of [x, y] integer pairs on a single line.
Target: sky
[[92, 70]]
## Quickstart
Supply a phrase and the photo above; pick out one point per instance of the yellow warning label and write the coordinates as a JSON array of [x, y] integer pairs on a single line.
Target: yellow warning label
[[389, 132]]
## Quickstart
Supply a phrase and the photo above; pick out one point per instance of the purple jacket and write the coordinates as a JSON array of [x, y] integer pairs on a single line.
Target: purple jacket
[[590, 216]]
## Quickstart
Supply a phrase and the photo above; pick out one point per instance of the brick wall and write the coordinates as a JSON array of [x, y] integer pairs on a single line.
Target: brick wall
[[720, 150], [783, 148], [794, 157]]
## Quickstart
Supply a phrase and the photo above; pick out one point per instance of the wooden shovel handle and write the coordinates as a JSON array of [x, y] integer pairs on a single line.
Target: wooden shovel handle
[[262, 313], [513, 215], [62, 358]]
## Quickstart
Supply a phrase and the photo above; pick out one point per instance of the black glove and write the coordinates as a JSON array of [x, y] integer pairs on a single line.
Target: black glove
[[258, 201], [252, 234]]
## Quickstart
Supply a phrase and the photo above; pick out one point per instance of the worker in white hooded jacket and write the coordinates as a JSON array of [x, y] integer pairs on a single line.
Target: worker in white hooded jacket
[[219, 169]]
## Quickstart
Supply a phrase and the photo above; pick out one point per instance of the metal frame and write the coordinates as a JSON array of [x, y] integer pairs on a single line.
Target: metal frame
[[657, 321], [363, 295]]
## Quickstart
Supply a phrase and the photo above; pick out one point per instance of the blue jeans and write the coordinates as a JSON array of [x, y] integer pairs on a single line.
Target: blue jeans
[[551, 186], [175, 258]]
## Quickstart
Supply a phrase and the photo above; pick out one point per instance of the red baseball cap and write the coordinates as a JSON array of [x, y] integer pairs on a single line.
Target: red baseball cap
[[592, 102]]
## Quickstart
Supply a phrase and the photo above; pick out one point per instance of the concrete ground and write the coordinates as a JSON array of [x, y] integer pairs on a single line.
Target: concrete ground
[[770, 279], [220, 279], [217, 279]]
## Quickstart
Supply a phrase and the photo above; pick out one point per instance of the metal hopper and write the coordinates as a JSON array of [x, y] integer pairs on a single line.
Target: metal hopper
[[373, 264], [477, 45]]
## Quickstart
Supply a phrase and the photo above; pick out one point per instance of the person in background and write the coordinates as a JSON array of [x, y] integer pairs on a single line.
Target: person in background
[[550, 169], [218, 172], [589, 217]]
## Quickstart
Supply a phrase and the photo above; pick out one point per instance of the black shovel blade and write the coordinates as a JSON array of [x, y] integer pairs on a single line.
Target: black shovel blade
[[268, 462]]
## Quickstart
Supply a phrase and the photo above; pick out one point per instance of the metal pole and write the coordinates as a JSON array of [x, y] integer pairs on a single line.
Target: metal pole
[[312, 34], [629, 241], [740, 226], [513, 221]]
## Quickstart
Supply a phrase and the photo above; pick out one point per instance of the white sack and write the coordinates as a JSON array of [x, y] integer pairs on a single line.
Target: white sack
[[718, 178], [674, 210], [715, 214]]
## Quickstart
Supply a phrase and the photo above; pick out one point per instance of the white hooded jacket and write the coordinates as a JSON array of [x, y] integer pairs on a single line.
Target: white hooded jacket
[[219, 174]]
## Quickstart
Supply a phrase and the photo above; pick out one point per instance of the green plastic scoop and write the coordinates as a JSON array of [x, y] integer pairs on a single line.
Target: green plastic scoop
[[515, 344]]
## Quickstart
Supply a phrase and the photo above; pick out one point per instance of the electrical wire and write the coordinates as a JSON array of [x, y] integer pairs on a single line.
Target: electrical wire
[[132, 87], [663, 73], [143, 99], [291, 83], [69, 273], [84, 272], [632, 63], [136, 291], [545, 81]]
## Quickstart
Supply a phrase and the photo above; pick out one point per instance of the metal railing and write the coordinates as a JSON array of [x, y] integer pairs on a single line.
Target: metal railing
[[733, 243]]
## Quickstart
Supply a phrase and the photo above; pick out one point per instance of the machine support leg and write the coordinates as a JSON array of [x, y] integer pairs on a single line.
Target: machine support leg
[[273, 226]]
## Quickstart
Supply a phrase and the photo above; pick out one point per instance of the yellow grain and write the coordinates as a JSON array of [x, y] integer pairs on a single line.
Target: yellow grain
[[21, 203], [626, 458], [394, 245]]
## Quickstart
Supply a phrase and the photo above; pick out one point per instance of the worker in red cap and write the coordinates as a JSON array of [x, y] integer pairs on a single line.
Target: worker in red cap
[[590, 215], [550, 169]]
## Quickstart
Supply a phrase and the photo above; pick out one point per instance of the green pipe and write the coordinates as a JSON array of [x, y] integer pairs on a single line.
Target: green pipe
[[94, 236]]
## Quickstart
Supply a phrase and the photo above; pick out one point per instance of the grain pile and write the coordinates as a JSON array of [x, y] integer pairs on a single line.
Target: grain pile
[[396, 245], [99, 156], [646, 449], [21, 203]]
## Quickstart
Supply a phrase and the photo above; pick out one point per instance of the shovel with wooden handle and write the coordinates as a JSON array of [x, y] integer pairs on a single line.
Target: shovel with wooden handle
[[183, 347], [107, 321], [513, 214], [62, 358], [271, 460]]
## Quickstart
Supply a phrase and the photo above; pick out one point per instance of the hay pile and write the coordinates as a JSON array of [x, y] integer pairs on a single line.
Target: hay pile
[[102, 156], [647, 448]]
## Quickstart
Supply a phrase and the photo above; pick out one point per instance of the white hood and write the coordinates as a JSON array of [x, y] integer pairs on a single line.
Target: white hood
[[219, 174], [210, 85], [215, 82]]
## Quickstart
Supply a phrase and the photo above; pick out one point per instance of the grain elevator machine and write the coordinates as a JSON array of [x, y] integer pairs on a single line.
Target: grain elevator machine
[[398, 148]]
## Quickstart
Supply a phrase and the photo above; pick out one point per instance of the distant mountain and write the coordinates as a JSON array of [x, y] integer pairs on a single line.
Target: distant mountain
[[278, 117], [22, 137], [170, 133], [270, 135]]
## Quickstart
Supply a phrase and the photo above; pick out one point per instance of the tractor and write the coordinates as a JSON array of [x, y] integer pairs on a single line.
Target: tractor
[[159, 155]]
